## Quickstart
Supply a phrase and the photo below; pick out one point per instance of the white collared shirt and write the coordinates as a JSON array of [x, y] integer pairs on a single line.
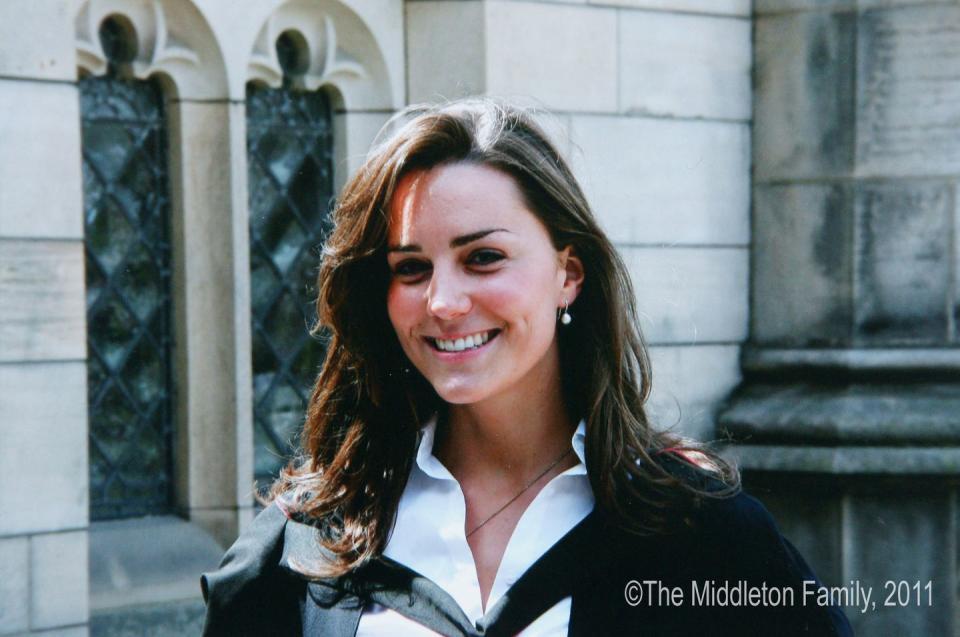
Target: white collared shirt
[[429, 538]]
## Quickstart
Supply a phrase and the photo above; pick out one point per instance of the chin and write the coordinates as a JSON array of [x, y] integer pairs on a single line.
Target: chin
[[460, 393]]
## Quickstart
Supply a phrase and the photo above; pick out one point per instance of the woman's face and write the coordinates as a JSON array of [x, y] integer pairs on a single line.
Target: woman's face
[[475, 283]]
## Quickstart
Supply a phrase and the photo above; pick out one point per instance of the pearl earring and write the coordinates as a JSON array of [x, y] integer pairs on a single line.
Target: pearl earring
[[565, 317]]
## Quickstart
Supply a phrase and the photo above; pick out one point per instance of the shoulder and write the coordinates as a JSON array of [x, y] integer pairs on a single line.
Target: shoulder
[[739, 541], [698, 478], [730, 538], [722, 522], [250, 588], [741, 532], [254, 553]]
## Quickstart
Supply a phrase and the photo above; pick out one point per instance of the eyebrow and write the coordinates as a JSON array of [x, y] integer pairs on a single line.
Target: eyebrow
[[456, 242]]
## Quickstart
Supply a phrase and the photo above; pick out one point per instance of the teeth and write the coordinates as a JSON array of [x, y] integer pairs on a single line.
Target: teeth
[[468, 342]]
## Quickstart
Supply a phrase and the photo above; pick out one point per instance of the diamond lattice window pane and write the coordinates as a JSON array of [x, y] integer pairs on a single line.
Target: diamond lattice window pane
[[289, 147], [283, 237], [109, 233], [110, 329], [126, 212]]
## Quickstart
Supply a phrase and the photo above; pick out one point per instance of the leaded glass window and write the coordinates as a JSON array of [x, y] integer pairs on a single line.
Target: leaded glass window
[[289, 147], [127, 248]]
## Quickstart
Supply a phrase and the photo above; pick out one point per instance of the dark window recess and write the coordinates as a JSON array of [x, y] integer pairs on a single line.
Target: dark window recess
[[289, 148], [127, 241]]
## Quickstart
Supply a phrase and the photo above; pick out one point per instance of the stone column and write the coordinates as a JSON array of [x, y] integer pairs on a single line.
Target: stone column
[[211, 281], [848, 421], [43, 387]]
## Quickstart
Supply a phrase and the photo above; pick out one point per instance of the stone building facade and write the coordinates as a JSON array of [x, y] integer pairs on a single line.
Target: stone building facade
[[653, 103]]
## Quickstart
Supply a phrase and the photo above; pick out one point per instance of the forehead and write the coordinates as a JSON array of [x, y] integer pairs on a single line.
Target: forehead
[[454, 198]]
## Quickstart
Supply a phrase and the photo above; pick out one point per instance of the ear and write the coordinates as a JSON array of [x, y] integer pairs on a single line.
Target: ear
[[571, 267]]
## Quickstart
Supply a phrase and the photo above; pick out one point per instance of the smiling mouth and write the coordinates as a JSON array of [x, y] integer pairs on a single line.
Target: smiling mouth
[[464, 343]]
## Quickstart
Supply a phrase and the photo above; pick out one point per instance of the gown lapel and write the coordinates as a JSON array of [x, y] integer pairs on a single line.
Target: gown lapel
[[333, 606]]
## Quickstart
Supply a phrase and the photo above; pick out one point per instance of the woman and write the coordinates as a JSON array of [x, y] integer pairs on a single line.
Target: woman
[[477, 459]]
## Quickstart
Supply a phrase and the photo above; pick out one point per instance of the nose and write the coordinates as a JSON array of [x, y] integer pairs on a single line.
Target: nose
[[447, 296]]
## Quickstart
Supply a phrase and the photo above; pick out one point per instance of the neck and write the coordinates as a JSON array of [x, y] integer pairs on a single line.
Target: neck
[[508, 438]]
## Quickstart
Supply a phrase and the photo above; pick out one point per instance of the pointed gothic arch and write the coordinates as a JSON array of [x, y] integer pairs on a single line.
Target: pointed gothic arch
[[340, 50], [173, 40]]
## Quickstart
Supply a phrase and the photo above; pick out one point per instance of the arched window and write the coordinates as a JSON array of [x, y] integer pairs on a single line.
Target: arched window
[[127, 241], [289, 148]]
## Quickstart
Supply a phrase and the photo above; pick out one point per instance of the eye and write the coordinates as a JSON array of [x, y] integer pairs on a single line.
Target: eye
[[410, 268], [485, 257]]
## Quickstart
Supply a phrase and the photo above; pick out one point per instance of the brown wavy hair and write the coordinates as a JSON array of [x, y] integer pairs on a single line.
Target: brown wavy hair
[[368, 404]]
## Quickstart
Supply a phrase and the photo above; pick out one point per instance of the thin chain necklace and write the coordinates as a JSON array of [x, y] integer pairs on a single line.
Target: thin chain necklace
[[522, 491]]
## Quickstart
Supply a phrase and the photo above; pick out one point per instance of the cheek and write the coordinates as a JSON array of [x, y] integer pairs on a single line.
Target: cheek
[[402, 305], [503, 294], [522, 299]]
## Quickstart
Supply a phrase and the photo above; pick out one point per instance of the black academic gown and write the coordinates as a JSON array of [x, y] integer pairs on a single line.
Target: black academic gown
[[734, 541]]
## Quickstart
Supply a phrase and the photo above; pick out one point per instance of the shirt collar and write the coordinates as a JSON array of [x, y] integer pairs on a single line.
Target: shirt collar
[[431, 466]]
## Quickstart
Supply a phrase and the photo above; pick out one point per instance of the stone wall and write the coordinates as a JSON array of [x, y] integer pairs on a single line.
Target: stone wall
[[43, 453], [652, 104]]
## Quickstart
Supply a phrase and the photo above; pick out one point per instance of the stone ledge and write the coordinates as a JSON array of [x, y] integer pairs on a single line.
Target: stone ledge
[[847, 460], [147, 561], [882, 360], [175, 619], [858, 414]]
